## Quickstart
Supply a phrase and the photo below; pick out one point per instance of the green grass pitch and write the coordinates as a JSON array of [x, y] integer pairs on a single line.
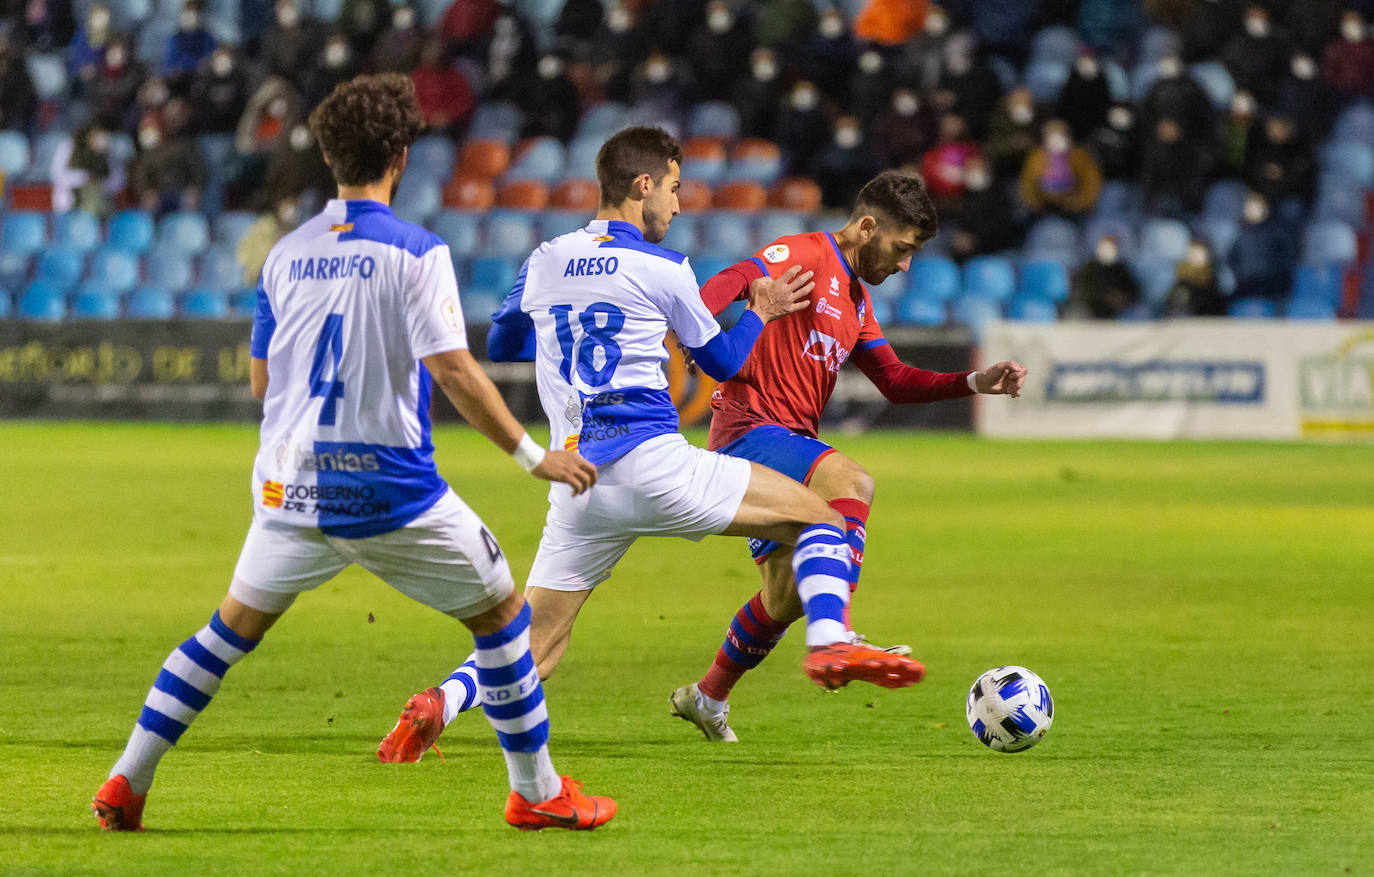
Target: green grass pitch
[[1203, 614]]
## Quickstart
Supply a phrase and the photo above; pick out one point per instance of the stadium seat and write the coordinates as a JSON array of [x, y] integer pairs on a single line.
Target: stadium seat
[[1329, 241], [95, 301], [484, 159], [510, 233], [1118, 199], [1355, 124], [728, 235], [1045, 79], [1343, 202], [774, 224], [1351, 162], [14, 155], [1159, 42], [60, 266], [1220, 234], [1301, 307], [523, 195], [601, 121], [1164, 240], [1052, 237], [230, 227], [6, 304], [217, 150], [185, 231], [1029, 308], [709, 267], [934, 278], [1215, 80], [694, 196], [975, 312], [1004, 71], [220, 268], [205, 304], [1057, 44], [417, 199], [117, 267], [49, 74], [1045, 278], [795, 193], [30, 196], [493, 273], [704, 158], [582, 154], [169, 268], [495, 121], [1323, 282], [552, 223], [460, 229], [989, 277], [917, 309], [755, 160], [41, 155], [469, 193], [130, 230], [684, 234], [1115, 227], [42, 302], [76, 230], [14, 269], [1143, 77], [713, 119], [243, 303], [581, 194], [1118, 81], [1252, 309], [479, 304], [742, 195], [1156, 277], [539, 158], [433, 154], [150, 303], [23, 232]]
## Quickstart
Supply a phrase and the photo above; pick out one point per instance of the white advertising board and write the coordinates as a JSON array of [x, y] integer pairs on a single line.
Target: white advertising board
[[1265, 379]]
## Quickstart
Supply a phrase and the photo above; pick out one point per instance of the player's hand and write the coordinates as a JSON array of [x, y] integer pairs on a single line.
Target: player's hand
[[568, 467], [1001, 378], [775, 297], [687, 358]]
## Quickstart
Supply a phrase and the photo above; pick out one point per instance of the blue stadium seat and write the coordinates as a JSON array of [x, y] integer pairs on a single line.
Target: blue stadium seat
[[418, 198], [1216, 81], [1301, 307], [217, 150], [728, 234], [1143, 77], [774, 224], [42, 302], [552, 223], [1056, 43], [76, 230], [494, 273], [1122, 230], [170, 269], [510, 233], [185, 231], [1118, 81], [23, 231], [122, 148], [601, 121], [49, 74], [1352, 162], [14, 269], [1159, 42], [1028, 308], [41, 156], [1118, 199], [150, 39], [495, 121], [95, 301], [1355, 124], [460, 229], [934, 278], [1220, 234], [1156, 277], [6, 304], [1004, 71], [1252, 309], [975, 312], [1343, 202], [433, 155], [1052, 237], [1045, 79], [1329, 240], [130, 230], [60, 266], [118, 268], [1045, 278], [479, 304], [707, 268], [543, 160], [150, 303], [917, 309], [684, 234], [220, 268], [989, 277], [14, 154], [205, 304], [710, 170], [230, 227], [764, 171], [243, 303], [713, 119], [1323, 282], [1164, 240], [582, 158]]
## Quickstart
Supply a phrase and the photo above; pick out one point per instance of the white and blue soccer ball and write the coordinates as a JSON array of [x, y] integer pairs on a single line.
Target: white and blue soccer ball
[[1010, 708]]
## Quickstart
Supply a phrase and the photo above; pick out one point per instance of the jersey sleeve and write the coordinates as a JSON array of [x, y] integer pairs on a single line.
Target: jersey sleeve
[[897, 381], [511, 336], [434, 316], [264, 324], [680, 299], [732, 284]]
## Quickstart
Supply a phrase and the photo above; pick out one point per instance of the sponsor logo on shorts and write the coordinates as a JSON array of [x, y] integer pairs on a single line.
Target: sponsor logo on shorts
[[272, 494], [776, 253]]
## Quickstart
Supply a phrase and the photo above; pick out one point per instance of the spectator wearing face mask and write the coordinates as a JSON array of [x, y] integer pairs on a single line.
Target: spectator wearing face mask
[[1264, 254], [1348, 63], [1305, 97], [1279, 163], [718, 51], [1174, 171], [905, 130], [219, 92], [549, 100], [1312, 23], [759, 96], [113, 90], [870, 86], [1204, 25], [296, 167], [511, 56], [890, 22], [919, 61], [968, 86], [86, 54], [1195, 292], [169, 173], [84, 174], [659, 88], [1115, 145], [1258, 56], [265, 124], [291, 42], [1059, 176], [397, 50], [1237, 130], [18, 100], [1175, 95], [843, 167], [1103, 288], [803, 129], [577, 21], [187, 48], [943, 166], [1085, 98], [43, 25], [829, 56], [1013, 131], [271, 226], [361, 22], [443, 92], [982, 222], [335, 63]]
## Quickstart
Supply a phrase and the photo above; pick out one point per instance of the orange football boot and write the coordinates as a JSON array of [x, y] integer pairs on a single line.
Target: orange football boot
[[420, 724], [838, 664], [116, 807], [570, 808]]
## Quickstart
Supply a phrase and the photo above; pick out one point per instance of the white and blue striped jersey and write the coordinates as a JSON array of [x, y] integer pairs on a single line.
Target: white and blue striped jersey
[[601, 300], [348, 304]]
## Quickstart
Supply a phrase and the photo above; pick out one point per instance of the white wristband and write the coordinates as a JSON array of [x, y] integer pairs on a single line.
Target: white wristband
[[973, 381], [529, 454]]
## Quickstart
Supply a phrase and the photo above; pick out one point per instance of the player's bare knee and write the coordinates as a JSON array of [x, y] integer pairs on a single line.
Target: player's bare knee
[[862, 485]]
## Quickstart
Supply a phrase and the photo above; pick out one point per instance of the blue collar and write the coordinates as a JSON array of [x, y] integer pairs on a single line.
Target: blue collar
[[843, 261]]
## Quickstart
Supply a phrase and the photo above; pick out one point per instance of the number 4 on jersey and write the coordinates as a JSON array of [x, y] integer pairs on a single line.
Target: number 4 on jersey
[[330, 347]]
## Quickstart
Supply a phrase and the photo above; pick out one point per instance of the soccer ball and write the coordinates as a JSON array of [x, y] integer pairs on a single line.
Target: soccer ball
[[1009, 709]]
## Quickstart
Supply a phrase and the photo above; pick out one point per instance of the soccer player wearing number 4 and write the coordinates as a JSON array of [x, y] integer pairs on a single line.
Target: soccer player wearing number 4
[[769, 413], [592, 308], [356, 310]]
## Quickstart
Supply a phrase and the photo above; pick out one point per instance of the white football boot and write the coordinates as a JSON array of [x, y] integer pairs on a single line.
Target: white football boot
[[686, 704]]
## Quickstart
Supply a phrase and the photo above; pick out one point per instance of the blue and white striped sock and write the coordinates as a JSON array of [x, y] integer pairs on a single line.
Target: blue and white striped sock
[[460, 690], [190, 677], [820, 562], [513, 700]]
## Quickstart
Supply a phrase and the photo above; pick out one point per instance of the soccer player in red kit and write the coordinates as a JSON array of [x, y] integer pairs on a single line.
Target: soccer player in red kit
[[770, 411]]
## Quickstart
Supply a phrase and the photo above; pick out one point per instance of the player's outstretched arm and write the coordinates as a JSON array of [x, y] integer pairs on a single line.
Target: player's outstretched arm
[[1001, 378], [480, 403]]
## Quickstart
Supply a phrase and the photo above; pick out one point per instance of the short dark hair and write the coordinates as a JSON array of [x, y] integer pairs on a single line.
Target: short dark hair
[[365, 124], [899, 199], [642, 149]]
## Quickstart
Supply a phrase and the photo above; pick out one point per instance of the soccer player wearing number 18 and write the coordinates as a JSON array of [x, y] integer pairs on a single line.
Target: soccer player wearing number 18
[[356, 310]]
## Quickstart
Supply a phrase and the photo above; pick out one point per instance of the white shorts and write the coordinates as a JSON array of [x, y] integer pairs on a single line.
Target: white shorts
[[664, 487], [446, 558]]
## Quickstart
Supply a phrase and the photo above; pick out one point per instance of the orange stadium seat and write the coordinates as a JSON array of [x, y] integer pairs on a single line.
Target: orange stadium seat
[[31, 196], [741, 196], [795, 193], [755, 148], [523, 195], [575, 195], [694, 196], [469, 193], [486, 159], [704, 149]]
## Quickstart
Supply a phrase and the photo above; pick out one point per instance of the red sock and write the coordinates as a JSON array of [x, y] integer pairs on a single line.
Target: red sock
[[750, 637], [855, 533]]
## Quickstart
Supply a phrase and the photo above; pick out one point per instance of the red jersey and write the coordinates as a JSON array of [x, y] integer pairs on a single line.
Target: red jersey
[[791, 373]]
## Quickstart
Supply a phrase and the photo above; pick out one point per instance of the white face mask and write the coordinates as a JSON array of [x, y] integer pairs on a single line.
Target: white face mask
[[1086, 67], [1304, 67], [937, 25], [1170, 67], [1119, 118], [1057, 142], [277, 107], [1255, 211], [100, 20], [906, 103], [1257, 26], [657, 72], [189, 20], [765, 71], [976, 179], [336, 55], [222, 65], [287, 214], [156, 94], [1197, 255], [98, 141], [1107, 252], [847, 137], [831, 27], [149, 138], [1022, 114], [287, 16], [1243, 104], [720, 21], [300, 138], [404, 19], [870, 62], [804, 98], [550, 66], [1352, 28], [618, 19], [115, 58]]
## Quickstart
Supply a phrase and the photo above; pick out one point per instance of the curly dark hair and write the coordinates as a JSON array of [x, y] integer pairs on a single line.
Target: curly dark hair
[[899, 199], [642, 149], [365, 124]]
